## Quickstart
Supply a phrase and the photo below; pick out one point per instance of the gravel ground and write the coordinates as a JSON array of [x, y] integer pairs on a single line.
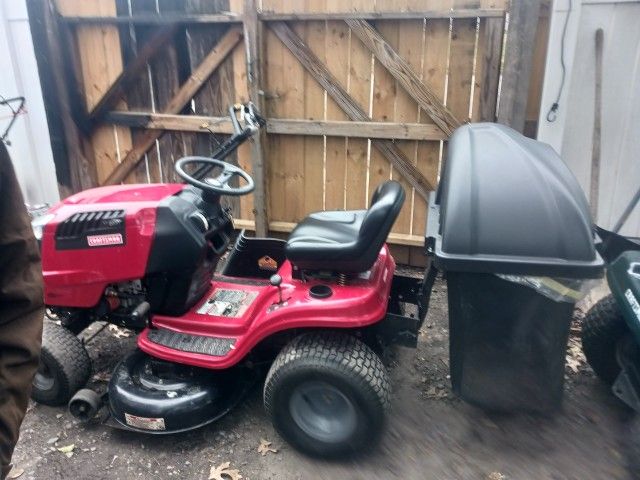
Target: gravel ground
[[429, 433]]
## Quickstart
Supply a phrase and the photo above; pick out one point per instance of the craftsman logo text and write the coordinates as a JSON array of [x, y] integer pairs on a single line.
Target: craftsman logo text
[[102, 240]]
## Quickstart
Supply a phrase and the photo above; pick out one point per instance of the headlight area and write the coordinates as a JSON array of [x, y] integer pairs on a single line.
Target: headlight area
[[38, 224]]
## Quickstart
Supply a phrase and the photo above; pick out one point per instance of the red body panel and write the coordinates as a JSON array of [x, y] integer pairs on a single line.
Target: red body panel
[[360, 303], [78, 278]]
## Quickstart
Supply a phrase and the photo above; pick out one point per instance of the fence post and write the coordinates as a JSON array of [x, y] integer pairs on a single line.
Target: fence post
[[516, 73], [253, 39]]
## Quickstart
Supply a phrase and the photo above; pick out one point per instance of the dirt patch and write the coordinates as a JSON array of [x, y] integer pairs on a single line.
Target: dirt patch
[[430, 433]]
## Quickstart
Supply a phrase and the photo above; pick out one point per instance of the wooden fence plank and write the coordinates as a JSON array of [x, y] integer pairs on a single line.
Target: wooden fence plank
[[182, 97], [336, 148], [359, 88], [461, 55], [274, 73], [488, 69], [292, 148], [409, 47], [398, 67], [383, 108], [434, 74], [313, 160]]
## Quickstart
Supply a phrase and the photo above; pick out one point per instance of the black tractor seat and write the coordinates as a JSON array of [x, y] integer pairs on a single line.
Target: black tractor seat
[[346, 241]]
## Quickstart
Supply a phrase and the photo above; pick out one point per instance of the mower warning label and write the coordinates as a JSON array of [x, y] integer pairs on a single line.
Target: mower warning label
[[144, 423], [228, 303]]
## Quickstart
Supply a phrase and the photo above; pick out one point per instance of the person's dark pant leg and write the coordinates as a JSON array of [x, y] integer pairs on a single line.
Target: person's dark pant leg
[[21, 309]]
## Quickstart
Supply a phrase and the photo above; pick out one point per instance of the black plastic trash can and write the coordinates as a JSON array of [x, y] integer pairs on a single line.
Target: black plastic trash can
[[511, 230]]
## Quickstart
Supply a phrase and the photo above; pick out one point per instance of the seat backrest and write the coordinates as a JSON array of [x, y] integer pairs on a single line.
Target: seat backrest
[[386, 203]]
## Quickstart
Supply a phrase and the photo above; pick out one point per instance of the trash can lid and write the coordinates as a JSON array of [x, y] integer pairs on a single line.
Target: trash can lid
[[509, 204]]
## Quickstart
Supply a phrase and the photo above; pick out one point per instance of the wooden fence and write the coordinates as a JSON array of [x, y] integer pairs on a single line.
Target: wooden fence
[[355, 93]]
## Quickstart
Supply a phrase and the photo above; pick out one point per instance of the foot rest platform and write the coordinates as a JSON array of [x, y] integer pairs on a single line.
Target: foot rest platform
[[214, 346]]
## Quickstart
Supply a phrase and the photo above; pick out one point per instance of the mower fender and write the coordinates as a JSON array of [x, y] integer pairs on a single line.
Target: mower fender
[[627, 385], [623, 276]]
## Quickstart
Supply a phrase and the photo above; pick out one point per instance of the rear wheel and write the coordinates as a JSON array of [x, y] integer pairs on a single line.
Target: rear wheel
[[603, 328], [326, 394], [64, 366]]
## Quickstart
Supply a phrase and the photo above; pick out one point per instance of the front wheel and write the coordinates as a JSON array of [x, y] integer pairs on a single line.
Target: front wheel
[[603, 328], [327, 393], [64, 366]]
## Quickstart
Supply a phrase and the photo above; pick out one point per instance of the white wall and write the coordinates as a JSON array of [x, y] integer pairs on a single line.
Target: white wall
[[30, 147], [571, 134]]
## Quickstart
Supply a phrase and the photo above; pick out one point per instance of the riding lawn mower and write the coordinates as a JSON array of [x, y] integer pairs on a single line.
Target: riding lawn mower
[[318, 307], [508, 228]]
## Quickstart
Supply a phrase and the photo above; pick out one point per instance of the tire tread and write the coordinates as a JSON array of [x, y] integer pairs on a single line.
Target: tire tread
[[70, 357], [336, 353], [602, 327]]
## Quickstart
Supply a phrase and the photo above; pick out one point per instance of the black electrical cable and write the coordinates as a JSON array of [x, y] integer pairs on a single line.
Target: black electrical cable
[[552, 113]]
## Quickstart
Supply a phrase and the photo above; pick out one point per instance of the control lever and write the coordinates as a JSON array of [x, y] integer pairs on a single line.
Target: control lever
[[276, 281]]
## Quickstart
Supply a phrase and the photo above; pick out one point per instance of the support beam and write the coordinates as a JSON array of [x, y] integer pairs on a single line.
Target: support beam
[[130, 72], [403, 73], [419, 14], [350, 106], [153, 19], [518, 58], [177, 103], [280, 126], [81, 164], [357, 129], [254, 50], [286, 227]]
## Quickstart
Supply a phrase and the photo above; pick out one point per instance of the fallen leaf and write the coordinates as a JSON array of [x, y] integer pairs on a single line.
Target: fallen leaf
[[575, 356], [265, 447], [223, 472], [68, 450], [15, 473], [104, 376], [118, 332]]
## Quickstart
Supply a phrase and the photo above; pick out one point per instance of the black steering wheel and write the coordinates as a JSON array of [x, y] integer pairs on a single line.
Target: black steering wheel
[[220, 184]]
